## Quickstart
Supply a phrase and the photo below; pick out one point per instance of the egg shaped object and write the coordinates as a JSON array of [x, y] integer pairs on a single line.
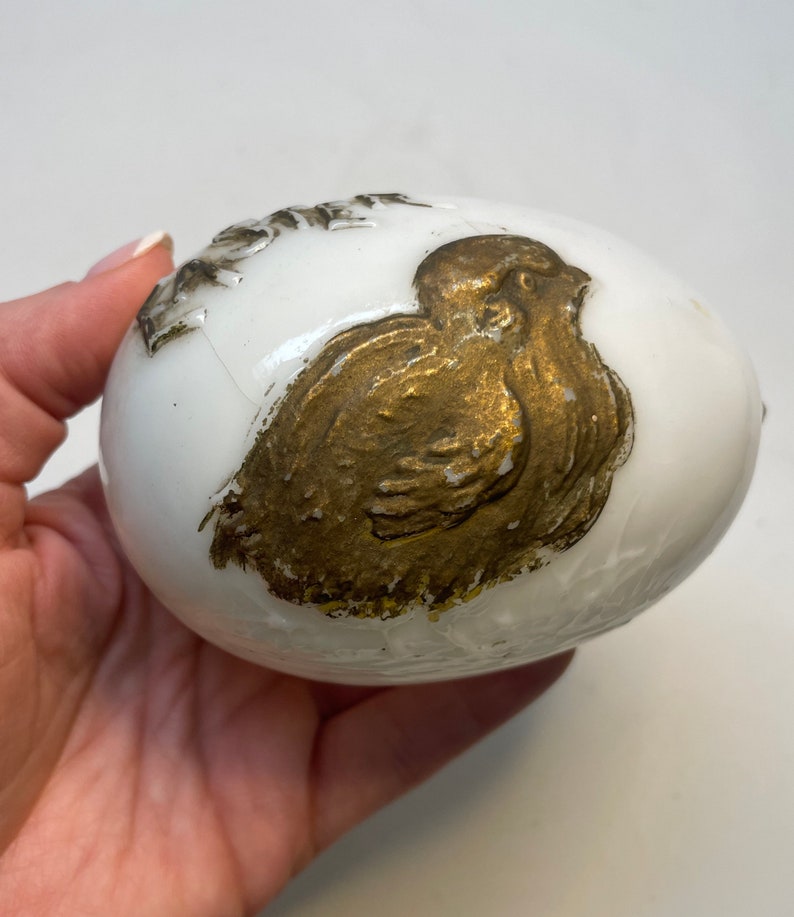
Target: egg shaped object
[[393, 439]]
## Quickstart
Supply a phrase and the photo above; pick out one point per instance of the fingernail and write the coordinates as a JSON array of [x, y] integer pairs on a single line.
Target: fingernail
[[133, 250]]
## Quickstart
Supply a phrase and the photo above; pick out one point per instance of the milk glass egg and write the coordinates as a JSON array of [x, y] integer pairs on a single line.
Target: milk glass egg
[[395, 439]]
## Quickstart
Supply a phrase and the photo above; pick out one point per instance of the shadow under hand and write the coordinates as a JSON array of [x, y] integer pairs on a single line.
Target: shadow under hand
[[422, 820]]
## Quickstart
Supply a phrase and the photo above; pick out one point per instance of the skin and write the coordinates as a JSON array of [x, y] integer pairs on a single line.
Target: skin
[[142, 770]]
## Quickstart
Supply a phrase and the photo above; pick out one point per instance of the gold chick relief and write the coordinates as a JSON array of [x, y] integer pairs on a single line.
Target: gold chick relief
[[386, 439], [421, 458]]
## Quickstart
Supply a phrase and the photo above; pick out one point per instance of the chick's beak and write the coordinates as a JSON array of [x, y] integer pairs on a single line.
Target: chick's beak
[[577, 278], [576, 282]]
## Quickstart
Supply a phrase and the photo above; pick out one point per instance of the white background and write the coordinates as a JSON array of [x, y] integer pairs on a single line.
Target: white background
[[658, 777]]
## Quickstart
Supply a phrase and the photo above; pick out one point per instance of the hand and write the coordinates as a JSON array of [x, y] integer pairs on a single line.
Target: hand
[[143, 770]]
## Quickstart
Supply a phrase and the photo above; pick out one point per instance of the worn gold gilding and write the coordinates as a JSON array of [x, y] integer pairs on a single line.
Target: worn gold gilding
[[175, 308], [421, 458]]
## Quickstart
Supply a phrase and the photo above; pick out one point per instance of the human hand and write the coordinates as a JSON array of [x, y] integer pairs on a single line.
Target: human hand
[[142, 770]]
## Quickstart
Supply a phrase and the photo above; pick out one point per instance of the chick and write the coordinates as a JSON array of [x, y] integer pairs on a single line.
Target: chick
[[420, 458]]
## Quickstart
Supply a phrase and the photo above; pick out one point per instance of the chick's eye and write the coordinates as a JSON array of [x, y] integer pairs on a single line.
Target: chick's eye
[[526, 280]]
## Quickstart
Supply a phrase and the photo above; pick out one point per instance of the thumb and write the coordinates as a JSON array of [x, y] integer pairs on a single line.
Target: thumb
[[56, 348]]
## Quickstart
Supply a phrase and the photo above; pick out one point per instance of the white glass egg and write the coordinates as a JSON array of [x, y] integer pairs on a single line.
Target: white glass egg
[[395, 439]]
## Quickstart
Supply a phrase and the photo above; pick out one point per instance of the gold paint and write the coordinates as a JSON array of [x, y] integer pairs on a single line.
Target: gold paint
[[700, 308], [422, 458]]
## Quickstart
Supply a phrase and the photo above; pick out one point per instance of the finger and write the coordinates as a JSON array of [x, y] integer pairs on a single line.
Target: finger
[[56, 348], [332, 699], [374, 752], [59, 344], [133, 250]]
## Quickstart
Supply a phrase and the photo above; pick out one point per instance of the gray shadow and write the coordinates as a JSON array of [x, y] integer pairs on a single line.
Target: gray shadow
[[427, 809]]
